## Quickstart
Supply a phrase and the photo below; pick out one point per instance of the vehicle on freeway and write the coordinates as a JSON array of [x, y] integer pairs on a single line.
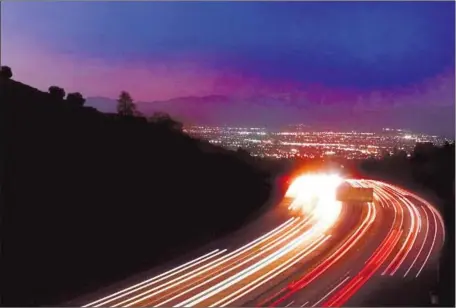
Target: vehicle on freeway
[[348, 193]]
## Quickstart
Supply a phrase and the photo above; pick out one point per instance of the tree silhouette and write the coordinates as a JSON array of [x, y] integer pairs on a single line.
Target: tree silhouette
[[75, 99], [125, 105], [6, 72], [165, 120], [57, 92]]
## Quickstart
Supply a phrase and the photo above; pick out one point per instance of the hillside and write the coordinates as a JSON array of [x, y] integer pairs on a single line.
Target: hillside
[[92, 198]]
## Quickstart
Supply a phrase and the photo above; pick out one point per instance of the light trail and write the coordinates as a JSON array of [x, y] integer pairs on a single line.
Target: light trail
[[289, 304], [167, 275], [432, 245], [426, 203], [153, 280], [278, 271], [366, 273], [330, 292], [380, 255], [404, 235], [329, 262], [414, 229], [238, 277], [305, 189], [422, 244], [231, 256], [384, 250], [400, 213], [280, 240], [173, 282], [408, 243], [340, 252]]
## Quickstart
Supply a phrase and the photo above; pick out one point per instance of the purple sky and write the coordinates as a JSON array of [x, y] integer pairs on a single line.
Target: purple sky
[[354, 54]]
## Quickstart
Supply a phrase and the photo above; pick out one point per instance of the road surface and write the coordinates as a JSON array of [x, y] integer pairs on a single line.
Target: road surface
[[322, 258]]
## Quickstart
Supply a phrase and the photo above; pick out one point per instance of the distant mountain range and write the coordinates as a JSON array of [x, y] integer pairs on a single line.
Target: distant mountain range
[[255, 111], [212, 110]]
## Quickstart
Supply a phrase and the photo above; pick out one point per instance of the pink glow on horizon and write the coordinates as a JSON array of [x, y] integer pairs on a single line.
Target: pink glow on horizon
[[162, 81]]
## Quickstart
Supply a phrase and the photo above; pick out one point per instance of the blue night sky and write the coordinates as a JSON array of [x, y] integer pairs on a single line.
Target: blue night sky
[[347, 52]]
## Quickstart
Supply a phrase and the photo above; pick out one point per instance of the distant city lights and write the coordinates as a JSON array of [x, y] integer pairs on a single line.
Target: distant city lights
[[300, 142]]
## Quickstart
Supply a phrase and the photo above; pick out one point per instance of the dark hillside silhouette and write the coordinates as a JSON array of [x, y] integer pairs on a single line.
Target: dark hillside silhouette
[[93, 198], [164, 120]]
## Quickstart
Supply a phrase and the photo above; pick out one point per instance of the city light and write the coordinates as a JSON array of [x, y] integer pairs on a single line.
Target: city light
[[300, 142]]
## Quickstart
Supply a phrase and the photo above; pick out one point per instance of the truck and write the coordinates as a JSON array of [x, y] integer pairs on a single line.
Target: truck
[[347, 193]]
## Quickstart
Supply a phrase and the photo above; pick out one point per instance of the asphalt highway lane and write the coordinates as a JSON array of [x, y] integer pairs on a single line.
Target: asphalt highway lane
[[306, 261]]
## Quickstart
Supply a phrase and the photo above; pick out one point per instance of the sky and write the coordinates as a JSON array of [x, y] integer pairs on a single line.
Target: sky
[[358, 55]]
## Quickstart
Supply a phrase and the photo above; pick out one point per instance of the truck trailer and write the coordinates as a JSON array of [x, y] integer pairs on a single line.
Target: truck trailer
[[348, 193]]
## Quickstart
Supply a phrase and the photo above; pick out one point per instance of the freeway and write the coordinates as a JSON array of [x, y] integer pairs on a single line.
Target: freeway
[[323, 255]]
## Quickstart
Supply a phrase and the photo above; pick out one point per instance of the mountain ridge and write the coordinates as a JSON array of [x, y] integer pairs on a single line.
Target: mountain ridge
[[225, 110]]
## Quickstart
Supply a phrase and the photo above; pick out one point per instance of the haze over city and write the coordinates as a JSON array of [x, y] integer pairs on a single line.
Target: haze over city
[[374, 64]]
